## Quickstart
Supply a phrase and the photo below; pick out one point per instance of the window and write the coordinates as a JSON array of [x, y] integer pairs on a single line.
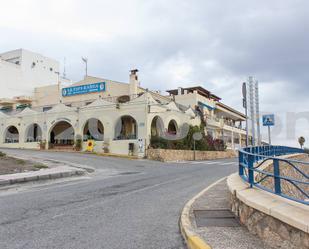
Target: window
[[51, 69], [46, 108]]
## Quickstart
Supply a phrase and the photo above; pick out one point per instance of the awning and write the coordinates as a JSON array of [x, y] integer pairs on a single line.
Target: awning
[[210, 108]]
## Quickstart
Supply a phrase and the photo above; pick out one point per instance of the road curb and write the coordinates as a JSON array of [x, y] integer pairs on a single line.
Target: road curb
[[44, 176], [192, 239]]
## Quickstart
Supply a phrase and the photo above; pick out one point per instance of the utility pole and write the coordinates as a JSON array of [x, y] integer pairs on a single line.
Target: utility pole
[[252, 109], [257, 112]]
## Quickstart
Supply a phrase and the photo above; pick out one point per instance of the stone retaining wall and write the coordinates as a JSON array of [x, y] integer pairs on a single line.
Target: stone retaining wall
[[281, 223], [274, 232], [187, 155]]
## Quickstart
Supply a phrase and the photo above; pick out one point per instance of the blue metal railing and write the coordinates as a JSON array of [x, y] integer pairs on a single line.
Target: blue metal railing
[[252, 158]]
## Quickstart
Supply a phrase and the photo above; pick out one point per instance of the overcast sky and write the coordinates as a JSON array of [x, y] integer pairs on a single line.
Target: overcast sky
[[216, 44]]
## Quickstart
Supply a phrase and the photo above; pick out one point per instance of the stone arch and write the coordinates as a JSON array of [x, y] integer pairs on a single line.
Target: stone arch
[[172, 127], [33, 133], [157, 126], [126, 128], [61, 134], [93, 129], [11, 134]]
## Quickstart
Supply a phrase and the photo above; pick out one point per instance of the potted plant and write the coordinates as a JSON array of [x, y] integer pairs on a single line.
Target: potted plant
[[78, 143], [42, 144]]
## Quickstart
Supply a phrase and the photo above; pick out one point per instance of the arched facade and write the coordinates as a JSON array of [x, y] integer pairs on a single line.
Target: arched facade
[[172, 127], [61, 134], [33, 133], [117, 126], [11, 134], [126, 128], [157, 127], [93, 129]]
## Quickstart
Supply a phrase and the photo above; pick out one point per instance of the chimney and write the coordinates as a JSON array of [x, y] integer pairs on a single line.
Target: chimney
[[179, 91], [133, 85]]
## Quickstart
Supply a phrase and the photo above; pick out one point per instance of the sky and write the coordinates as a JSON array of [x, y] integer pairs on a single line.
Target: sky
[[215, 44]]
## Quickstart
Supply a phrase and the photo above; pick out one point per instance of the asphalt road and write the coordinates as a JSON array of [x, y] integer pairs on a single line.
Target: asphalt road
[[124, 204]]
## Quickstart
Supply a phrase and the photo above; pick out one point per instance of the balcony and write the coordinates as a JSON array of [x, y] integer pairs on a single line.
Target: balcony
[[224, 124]]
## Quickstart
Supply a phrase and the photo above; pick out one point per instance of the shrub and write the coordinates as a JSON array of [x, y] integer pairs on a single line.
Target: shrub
[[20, 161], [219, 145], [40, 166], [2, 154], [158, 142], [42, 144], [78, 143], [207, 143]]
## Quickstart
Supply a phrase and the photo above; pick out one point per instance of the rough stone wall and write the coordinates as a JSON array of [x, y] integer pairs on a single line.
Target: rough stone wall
[[274, 232], [187, 155]]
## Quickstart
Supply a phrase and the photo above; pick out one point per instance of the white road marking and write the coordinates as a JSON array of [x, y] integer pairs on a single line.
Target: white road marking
[[205, 162], [229, 163]]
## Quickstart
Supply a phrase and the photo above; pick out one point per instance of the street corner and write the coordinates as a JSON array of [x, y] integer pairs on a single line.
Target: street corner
[[188, 230]]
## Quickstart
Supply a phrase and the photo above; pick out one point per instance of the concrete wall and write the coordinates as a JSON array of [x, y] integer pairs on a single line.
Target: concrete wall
[[187, 155]]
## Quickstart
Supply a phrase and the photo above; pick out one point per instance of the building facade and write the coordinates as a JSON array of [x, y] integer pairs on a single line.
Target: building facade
[[118, 117], [19, 69]]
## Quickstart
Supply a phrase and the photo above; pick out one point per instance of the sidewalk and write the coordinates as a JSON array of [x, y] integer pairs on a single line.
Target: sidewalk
[[209, 220], [44, 174]]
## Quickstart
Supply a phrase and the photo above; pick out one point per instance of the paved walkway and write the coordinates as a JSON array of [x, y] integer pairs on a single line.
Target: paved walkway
[[221, 237]]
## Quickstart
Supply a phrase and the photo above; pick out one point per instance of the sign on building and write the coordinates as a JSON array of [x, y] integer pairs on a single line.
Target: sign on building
[[269, 120], [83, 89]]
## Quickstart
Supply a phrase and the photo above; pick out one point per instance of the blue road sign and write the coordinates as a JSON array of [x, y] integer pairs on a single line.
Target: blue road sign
[[269, 120], [83, 89]]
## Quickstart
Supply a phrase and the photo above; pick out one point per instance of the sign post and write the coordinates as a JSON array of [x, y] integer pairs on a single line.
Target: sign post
[[196, 136], [269, 120]]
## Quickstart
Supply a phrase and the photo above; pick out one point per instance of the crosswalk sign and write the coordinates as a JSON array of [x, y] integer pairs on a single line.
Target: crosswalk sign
[[269, 120]]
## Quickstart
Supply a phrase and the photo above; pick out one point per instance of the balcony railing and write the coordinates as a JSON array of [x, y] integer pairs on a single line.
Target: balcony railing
[[223, 122]]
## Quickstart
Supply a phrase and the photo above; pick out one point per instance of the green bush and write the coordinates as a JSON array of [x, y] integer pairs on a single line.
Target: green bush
[[2, 154], [40, 166], [207, 143], [20, 161], [78, 143]]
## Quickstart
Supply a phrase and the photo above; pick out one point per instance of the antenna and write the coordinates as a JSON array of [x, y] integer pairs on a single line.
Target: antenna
[[86, 64], [64, 73]]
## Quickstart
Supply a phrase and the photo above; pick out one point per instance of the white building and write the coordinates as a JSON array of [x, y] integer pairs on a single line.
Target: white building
[[121, 117], [20, 69]]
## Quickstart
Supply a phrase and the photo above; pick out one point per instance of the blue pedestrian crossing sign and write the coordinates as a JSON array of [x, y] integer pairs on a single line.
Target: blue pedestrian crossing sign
[[269, 120]]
